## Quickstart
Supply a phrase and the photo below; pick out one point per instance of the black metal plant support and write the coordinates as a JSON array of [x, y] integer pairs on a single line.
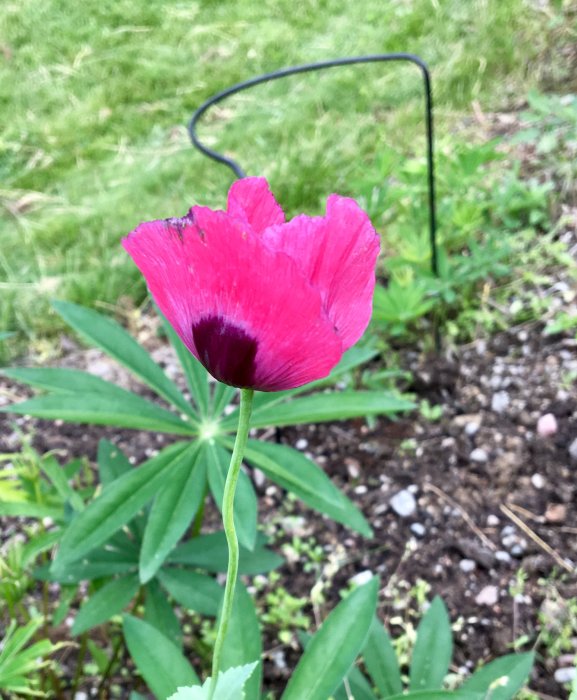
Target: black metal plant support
[[334, 63]]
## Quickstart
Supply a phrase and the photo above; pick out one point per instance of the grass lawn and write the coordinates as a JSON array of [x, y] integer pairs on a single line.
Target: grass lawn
[[96, 95]]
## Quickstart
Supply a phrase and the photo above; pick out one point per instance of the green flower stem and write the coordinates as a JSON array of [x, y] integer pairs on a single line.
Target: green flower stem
[[246, 396]]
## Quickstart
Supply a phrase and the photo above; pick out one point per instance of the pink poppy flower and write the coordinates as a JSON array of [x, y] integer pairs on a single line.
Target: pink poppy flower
[[261, 303]]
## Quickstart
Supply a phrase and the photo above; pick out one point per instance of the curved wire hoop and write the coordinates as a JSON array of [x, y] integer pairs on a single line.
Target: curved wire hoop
[[334, 63]]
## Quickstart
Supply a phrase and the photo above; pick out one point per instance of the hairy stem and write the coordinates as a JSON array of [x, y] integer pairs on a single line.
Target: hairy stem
[[246, 396]]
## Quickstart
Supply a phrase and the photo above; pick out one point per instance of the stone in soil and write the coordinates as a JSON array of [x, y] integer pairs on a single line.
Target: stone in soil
[[403, 503]]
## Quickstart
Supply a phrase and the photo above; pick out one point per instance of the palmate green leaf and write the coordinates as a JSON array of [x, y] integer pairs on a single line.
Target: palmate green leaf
[[109, 600], [243, 642], [330, 406], [501, 678], [230, 686], [124, 410], [118, 504], [210, 552], [172, 512], [245, 501], [160, 613], [433, 649], [158, 660], [109, 335], [295, 472], [381, 661], [196, 375], [194, 591], [334, 648]]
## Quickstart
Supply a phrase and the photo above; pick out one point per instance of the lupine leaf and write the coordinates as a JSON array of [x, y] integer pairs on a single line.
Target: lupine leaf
[[117, 505], [433, 649], [334, 648], [381, 661], [112, 462], [196, 375], [243, 642], [158, 660], [109, 335], [172, 511], [210, 552], [160, 613], [329, 406], [503, 677], [120, 410], [194, 591], [109, 600], [295, 472], [230, 686]]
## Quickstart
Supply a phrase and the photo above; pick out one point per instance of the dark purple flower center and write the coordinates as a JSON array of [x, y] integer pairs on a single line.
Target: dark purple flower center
[[227, 351]]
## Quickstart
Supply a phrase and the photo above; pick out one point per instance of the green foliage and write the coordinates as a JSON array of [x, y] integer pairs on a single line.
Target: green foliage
[[158, 659], [230, 686], [332, 651], [204, 421], [429, 665], [21, 661], [83, 158], [125, 538], [284, 611]]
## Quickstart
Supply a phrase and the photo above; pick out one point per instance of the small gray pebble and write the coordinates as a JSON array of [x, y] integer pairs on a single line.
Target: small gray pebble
[[403, 503], [467, 565], [479, 455], [565, 675], [500, 402], [505, 557], [418, 529]]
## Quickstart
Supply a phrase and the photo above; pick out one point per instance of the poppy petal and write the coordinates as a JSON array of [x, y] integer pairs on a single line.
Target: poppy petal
[[337, 253], [244, 310], [251, 201]]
